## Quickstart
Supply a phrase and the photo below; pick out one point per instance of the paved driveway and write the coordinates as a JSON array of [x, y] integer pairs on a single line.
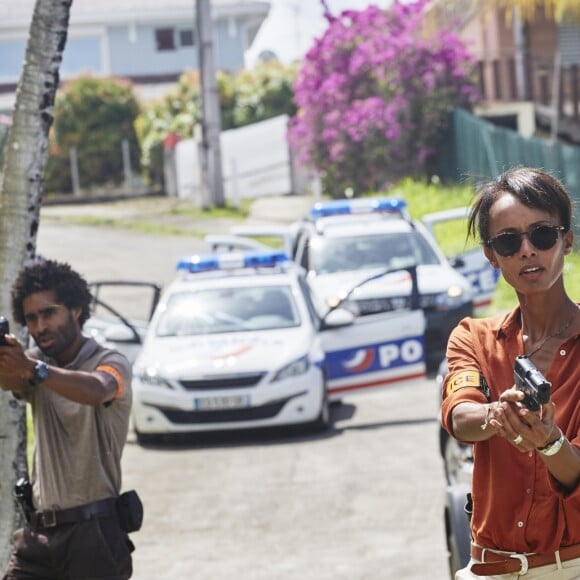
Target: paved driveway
[[364, 501]]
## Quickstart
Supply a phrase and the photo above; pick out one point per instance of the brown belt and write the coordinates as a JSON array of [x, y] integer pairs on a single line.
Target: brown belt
[[493, 563]]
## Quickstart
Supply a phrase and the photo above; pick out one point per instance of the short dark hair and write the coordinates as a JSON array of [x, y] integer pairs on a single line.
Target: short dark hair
[[70, 287], [535, 188]]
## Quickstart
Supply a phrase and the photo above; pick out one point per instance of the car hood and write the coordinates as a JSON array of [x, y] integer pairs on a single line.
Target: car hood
[[224, 353], [432, 279]]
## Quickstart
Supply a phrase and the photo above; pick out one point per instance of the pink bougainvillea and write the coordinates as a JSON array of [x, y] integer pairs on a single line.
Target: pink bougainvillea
[[373, 93]]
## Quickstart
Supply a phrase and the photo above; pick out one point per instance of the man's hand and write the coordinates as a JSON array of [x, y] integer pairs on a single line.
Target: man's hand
[[15, 367]]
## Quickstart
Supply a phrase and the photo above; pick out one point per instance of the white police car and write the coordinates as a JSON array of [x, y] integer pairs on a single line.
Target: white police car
[[234, 343], [341, 242]]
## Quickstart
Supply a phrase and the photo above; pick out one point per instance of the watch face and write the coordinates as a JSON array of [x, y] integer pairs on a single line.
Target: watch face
[[40, 373]]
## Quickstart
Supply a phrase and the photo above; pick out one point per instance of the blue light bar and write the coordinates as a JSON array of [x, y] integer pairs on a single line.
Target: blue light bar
[[230, 261], [358, 206]]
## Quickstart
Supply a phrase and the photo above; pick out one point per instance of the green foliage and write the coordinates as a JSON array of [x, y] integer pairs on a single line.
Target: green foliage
[[247, 97], [174, 114], [94, 116], [264, 92]]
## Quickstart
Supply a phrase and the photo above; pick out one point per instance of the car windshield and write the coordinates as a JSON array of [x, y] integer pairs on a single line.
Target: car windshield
[[220, 310], [390, 250]]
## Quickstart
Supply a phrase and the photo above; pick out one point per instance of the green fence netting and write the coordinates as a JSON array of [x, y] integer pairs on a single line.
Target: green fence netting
[[476, 150]]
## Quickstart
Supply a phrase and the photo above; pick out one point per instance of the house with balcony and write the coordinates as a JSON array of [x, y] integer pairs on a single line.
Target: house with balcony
[[528, 65], [146, 41]]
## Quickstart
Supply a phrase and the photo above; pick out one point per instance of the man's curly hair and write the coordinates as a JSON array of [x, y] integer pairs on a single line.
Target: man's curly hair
[[71, 288]]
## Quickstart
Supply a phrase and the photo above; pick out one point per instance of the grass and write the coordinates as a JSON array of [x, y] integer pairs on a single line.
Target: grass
[[155, 216]]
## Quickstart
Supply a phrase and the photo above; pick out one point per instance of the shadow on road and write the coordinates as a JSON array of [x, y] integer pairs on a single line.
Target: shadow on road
[[339, 412]]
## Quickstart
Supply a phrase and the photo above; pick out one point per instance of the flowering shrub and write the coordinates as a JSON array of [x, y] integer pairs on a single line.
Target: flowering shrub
[[373, 93]]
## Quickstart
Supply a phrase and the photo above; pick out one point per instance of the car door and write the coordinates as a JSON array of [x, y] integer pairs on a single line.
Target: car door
[[120, 313], [375, 352], [470, 261]]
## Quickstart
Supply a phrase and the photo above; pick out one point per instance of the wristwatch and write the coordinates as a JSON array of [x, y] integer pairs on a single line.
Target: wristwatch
[[554, 447], [39, 374]]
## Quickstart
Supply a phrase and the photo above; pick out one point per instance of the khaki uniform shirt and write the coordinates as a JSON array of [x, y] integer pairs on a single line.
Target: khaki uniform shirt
[[78, 448]]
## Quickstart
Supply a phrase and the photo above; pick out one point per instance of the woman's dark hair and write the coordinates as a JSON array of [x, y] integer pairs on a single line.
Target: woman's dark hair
[[533, 187], [71, 288]]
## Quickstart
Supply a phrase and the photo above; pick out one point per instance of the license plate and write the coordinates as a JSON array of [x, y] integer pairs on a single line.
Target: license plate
[[220, 403]]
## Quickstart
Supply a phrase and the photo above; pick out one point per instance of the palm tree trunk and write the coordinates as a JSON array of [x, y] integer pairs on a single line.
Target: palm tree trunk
[[20, 202]]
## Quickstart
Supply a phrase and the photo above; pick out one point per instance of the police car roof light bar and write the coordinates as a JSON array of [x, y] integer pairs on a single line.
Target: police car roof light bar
[[358, 206], [210, 262]]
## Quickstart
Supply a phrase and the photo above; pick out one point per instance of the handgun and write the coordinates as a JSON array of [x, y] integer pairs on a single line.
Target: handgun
[[536, 388]]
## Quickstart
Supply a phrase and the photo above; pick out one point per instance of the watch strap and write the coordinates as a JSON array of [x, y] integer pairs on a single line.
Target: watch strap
[[554, 447]]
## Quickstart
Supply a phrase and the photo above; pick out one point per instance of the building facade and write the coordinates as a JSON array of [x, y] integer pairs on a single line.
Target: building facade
[[147, 41], [528, 62]]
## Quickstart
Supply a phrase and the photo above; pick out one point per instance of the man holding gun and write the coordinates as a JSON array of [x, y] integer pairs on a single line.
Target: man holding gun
[[80, 393]]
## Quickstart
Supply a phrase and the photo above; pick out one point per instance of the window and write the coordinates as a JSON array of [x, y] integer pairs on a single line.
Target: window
[[186, 37], [165, 39]]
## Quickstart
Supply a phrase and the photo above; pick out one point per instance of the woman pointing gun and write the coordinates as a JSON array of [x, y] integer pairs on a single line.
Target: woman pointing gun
[[526, 498]]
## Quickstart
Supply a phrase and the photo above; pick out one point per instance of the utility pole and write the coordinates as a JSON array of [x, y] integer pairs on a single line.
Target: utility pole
[[212, 177]]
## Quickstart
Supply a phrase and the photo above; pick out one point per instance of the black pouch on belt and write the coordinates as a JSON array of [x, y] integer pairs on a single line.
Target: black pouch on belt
[[130, 510]]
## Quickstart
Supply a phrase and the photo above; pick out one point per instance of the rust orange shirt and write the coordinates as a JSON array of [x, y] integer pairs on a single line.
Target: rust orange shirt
[[517, 505]]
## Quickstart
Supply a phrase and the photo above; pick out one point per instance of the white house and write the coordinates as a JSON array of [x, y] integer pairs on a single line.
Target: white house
[[147, 41]]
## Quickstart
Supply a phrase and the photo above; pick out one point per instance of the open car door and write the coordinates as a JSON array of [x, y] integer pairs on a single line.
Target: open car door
[[470, 261], [378, 350], [375, 352], [124, 332]]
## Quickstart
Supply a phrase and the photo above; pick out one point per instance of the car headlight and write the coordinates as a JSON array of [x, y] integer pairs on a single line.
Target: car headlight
[[294, 369], [454, 297], [151, 378], [333, 302]]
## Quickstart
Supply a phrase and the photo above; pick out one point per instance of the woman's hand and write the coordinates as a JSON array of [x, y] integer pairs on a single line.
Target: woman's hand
[[525, 429]]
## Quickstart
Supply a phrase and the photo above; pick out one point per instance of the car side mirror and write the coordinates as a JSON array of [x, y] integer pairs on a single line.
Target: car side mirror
[[120, 333], [337, 318], [457, 262]]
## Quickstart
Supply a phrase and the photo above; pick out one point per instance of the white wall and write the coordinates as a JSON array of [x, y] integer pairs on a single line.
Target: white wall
[[255, 162]]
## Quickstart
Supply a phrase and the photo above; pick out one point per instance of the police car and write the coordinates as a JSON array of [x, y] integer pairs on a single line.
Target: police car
[[235, 342], [343, 241]]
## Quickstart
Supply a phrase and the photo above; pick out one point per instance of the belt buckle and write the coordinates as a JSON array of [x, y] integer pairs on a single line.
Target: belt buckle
[[48, 518], [523, 563]]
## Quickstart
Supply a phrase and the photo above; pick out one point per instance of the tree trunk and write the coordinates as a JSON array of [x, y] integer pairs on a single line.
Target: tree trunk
[[20, 202]]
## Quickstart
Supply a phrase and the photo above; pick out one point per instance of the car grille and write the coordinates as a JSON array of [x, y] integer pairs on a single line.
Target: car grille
[[375, 305], [224, 416], [227, 382]]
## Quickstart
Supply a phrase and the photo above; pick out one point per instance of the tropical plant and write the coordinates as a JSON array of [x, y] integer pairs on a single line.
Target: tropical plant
[[246, 97], [373, 94], [264, 92], [93, 116]]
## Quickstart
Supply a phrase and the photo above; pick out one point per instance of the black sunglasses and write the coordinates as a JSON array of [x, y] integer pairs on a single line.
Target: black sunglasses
[[542, 237]]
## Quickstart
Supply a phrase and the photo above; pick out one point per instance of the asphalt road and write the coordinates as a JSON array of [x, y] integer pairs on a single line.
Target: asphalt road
[[363, 501]]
